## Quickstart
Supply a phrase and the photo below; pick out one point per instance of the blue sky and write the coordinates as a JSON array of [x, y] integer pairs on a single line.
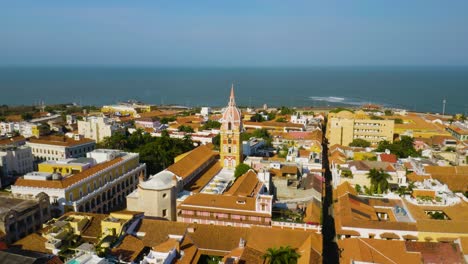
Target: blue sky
[[234, 33]]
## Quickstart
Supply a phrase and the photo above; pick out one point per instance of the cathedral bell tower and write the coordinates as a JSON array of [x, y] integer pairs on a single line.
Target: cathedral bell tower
[[231, 127]]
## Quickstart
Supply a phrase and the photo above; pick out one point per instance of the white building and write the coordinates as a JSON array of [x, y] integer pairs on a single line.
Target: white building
[[299, 119], [147, 123], [57, 148], [205, 111], [14, 161], [100, 188], [97, 128]]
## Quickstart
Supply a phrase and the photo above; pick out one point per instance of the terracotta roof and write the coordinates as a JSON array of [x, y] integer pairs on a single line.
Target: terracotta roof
[[204, 179], [67, 181], [289, 169], [344, 188], [456, 177], [221, 240], [33, 242], [220, 202], [433, 252], [458, 214], [60, 141], [246, 185], [376, 251], [129, 249], [273, 124], [158, 231], [12, 140], [193, 161], [166, 246], [392, 158], [355, 211]]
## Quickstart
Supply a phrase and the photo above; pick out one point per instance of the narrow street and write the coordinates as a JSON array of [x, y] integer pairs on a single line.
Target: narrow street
[[330, 248]]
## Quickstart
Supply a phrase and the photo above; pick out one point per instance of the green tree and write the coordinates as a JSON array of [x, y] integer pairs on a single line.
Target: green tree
[[241, 169], [211, 124], [286, 110], [398, 121], [281, 255], [282, 120], [186, 129], [358, 188], [257, 118], [359, 142], [216, 141], [388, 112], [26, 116], [379, 180]]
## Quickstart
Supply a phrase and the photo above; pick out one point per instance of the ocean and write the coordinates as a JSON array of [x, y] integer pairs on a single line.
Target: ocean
[[414, 88]]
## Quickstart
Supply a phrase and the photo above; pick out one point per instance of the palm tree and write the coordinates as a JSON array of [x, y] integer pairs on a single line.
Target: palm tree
[[282, 255], [379, 180]]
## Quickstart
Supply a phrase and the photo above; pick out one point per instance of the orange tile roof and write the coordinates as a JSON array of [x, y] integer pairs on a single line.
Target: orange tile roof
[[12, 140], [246, 185], [376, 251], [129, 249], [193, 161], [204, 179], [220, 202], [60, 141], [33, 242], [67, 181], [273, 124]]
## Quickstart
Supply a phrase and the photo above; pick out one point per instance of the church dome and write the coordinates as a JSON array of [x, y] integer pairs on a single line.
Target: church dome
[[232, 115]]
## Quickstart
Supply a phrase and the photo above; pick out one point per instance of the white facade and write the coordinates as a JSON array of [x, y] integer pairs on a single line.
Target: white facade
[[15, 161], [97, 128], [52, 151], [205, 111], [100, 191]]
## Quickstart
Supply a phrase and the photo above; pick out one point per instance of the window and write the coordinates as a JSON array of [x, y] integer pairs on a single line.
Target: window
[[164, 212], [71, 197], [164, 195], [229, 149], [229, 126], [229, 140]]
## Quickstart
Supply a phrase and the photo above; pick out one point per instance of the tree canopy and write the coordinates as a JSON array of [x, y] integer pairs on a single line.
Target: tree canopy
[[157, 152], [403, 148], [241, 169], [211, 124], [281, 255], [359, 142], [379, 180]]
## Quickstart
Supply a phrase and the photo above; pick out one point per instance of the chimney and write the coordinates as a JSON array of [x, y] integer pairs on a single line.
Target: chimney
[[241, 242]]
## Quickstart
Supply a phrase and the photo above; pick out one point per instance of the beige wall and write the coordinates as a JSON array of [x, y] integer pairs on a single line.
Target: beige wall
[[154, 202], [344, 131]]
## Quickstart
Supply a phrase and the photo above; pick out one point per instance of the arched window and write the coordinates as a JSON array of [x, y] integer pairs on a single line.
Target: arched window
[[229, 126]]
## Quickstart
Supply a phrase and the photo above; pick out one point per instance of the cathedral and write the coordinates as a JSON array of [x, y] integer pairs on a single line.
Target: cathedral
[[230, 141]]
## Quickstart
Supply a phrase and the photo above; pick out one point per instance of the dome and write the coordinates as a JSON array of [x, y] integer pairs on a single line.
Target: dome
[[231, 114]]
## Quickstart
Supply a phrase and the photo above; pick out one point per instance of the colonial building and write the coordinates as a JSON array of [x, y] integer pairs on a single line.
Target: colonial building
[[21, 215], [58, 148], [97, 186], [245, 203], [231, 127]]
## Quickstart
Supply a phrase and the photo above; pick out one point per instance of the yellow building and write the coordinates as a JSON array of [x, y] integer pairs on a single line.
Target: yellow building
[[97, 188], [345, 126], [231, 127], [65, 167]]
